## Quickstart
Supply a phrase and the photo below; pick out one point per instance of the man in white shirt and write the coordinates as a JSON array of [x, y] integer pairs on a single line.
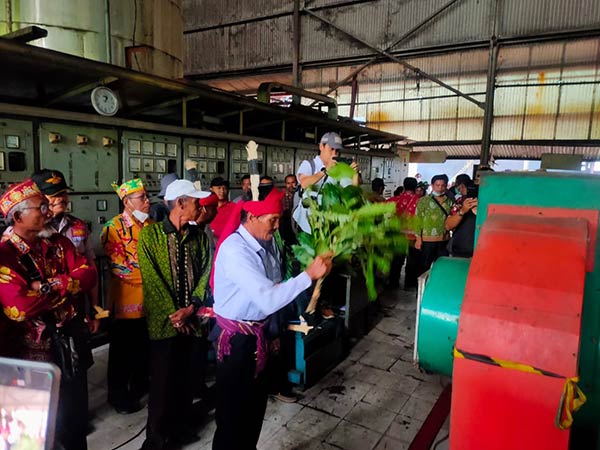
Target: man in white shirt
[[247, 290], [314, 173]]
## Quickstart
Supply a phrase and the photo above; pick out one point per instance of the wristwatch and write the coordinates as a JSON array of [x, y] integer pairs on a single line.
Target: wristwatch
[[460, 213], [45, 288]]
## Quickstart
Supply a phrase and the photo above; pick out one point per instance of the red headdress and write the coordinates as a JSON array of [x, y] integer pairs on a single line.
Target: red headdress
[[272, 204], [211, 200]]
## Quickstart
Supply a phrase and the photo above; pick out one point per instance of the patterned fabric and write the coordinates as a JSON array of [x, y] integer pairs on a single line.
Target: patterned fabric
[[229, 328], [120, 240], [175, 268], [58, 263], [288, 201], [128, 187], [77, 232], [430, 220], [17, 194], [72, 228], [406, 207], [457, 205]]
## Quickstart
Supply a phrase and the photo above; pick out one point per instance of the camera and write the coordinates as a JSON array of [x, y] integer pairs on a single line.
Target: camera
[[472, 192], [341, 159]]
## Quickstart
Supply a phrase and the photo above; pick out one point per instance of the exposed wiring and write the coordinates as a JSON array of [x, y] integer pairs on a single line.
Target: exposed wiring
[[130, 439], [440, 441]]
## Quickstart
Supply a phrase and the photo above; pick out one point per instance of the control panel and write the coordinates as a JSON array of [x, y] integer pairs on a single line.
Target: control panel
[[364, 167], [88, 158], [280, 163], [239, 162], [147, 156], [211, 157], [377, 167], [16, 151], [302, 155]]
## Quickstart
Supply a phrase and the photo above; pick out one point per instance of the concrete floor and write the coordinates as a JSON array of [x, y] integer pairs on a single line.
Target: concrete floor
[[375, 399]]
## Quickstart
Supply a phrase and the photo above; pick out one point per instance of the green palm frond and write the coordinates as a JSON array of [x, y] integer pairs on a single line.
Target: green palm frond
[[367, 234]]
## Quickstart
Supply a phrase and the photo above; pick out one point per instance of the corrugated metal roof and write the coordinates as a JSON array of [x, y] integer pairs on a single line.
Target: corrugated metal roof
[[517, 17], [378, 22], [512, 151], [247, 46], [204, 13]]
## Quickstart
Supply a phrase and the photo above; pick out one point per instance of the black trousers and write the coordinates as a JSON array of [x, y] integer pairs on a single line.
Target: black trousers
[[127, 361], [241, 397], [411, 272], [171, 394], [431, 251], [280, 364], [72, 414]]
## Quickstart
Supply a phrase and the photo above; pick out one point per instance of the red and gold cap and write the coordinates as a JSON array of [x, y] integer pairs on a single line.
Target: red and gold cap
[[18, 193]]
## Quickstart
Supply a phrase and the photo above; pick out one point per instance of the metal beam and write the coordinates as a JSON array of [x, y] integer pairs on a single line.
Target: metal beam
[[72, 92], [12, 109], [393, 58], [296, 75], [26, 34], [160, 105], [62, 63], [488, 117], [402, 38]]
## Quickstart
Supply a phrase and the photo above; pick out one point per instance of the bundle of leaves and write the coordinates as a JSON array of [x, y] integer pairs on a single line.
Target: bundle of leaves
[[366, 235]]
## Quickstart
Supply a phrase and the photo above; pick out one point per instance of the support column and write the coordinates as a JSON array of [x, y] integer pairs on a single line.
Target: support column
[[488, 117], [296, 69]]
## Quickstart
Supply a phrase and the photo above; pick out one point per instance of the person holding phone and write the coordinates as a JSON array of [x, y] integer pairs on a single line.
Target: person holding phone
[[462, 218], [313, 172]]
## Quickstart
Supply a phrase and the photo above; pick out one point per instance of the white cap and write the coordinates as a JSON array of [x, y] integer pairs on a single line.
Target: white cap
[[183, 188]]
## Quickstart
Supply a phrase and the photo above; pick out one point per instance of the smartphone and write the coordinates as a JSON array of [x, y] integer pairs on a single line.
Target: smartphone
[[472, 191], [28, 401], [341, 159]]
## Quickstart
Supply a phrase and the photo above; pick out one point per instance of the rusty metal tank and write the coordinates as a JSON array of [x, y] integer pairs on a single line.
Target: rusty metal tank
[[145, 35]]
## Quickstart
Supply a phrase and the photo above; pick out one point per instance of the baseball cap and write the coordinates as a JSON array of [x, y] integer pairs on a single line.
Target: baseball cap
[[50, 182], [183, 188], [333, 140]]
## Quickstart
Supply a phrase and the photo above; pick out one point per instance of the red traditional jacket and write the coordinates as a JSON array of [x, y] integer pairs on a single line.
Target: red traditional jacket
[[57, 262]]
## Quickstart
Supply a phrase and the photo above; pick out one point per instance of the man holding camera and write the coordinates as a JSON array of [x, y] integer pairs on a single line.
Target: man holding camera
[[314, 172]]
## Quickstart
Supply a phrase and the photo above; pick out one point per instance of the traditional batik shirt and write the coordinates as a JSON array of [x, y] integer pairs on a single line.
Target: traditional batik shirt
[[57, 262], [120, 240], [175, 268], [406, 207], [430, 219]]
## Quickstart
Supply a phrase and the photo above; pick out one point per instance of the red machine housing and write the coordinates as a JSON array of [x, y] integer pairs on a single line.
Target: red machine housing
[[523, 303]]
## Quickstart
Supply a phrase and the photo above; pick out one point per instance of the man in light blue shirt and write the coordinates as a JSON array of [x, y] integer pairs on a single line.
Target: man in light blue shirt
[[247, 290]]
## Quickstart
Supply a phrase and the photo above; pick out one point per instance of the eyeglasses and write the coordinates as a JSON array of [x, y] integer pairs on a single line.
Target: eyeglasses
[[143, 197], [43, 208]]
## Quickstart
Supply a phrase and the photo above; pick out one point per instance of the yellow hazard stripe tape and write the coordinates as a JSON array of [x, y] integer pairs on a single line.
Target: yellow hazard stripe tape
[[571, 399]]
